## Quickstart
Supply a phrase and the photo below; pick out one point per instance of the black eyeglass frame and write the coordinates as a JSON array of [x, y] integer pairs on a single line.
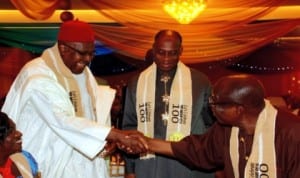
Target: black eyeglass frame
[[81, 53], [211, 102]]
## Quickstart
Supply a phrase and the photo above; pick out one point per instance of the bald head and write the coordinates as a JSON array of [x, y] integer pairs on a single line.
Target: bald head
[[168, 34], [242, 89]]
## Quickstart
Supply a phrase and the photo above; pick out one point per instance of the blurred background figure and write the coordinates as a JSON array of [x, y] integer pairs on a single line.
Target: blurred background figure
[[293, 103]]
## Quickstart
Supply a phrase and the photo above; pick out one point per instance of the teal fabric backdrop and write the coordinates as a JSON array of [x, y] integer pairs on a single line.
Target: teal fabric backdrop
[[30, 37], [36, 37]]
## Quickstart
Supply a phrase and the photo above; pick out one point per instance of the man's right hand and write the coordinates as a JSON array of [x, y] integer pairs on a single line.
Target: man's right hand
[[130, 141]]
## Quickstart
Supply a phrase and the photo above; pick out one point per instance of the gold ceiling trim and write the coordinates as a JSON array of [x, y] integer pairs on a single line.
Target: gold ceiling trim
[[93, 16]]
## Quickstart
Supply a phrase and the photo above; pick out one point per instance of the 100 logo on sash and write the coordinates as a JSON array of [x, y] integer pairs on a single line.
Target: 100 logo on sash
[[144, 112], [179, 114], [259, 170]]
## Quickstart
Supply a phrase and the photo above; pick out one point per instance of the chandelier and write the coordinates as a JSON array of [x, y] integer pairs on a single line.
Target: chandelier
[[184, 11]]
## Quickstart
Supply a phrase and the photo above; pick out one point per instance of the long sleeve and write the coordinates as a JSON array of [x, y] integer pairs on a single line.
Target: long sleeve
[[287, 144], [130, 121], [202, 151]]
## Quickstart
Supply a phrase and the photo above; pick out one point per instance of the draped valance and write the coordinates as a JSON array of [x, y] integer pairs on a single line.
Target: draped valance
[[225, 29]]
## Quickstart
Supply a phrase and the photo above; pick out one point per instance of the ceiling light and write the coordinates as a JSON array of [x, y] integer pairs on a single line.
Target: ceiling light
[[184, 11]]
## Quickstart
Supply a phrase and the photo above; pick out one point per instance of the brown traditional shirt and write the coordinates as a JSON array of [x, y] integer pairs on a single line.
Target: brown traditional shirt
[[211, 150]]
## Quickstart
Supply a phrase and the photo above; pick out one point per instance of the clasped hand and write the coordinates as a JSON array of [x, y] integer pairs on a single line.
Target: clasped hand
[[129, 141], [133, 143]]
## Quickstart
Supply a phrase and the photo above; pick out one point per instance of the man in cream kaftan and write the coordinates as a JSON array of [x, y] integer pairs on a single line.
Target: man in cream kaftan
[[64, 115], [63, 144]]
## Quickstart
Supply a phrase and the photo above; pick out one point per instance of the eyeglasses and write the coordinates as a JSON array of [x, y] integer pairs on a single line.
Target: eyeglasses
[[212, 102], [81, 53]]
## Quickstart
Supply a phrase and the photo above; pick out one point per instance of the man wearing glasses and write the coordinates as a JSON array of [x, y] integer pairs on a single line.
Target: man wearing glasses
[[64, 115], [252, 139]]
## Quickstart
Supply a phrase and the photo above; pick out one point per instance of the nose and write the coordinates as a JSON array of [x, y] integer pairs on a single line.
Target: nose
[[87, 58], [167, 54], [18, 134]]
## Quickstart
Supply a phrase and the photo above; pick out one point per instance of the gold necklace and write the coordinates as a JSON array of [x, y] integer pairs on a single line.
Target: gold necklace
[[245, 141]]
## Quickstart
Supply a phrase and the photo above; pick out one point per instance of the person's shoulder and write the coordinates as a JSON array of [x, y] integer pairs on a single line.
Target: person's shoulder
[[286, 116], [34, 71], [37, 71], [36, 65], [27, 154], [132, 81], [287, 124], [25, 162], [198, 73], [199, 77]]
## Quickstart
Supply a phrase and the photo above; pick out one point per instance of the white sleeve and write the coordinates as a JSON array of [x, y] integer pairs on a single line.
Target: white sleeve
[[83, 134], [53, 106]]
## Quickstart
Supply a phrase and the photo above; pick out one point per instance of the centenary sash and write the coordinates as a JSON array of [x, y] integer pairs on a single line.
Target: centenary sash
[[66, 79], [262, 160], [180, 103]]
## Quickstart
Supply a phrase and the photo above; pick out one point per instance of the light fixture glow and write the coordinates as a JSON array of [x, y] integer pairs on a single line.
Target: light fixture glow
[[184, 11]]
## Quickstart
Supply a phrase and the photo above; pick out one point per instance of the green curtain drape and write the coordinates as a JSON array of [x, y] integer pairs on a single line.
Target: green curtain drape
[[31, 38]]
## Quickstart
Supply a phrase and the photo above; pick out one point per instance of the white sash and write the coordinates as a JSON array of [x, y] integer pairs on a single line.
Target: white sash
[[180, 103], [262, 160]]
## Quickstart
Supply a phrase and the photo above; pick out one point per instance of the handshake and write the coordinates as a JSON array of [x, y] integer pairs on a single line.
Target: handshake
[[129, 141]]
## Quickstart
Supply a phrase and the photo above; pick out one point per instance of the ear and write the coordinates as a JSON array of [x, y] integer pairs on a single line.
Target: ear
[[240, 109], [153, 47], [62, 49], [180, 50]]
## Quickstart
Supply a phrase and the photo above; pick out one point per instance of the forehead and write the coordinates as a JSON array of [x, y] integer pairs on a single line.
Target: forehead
[[87, 45], [11, 123], [7, 128], [221, 92], [167, 42], [220, 97]]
